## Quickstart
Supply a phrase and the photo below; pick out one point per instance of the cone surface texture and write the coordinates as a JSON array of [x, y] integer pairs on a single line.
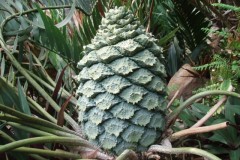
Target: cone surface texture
[[122, 86]]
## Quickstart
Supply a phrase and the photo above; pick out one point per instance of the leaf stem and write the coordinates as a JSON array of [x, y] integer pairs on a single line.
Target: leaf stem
[[37, 157], [34, 120], [127, 154], [173, 115], [183, 150], [6, 136], [212, 110], [42, 111], [46, 139], [37, 126], [34, 105], [36, 10], [34, 131], [10, 139], [33, 82], [197, 130], [49, 153], [65, 94]]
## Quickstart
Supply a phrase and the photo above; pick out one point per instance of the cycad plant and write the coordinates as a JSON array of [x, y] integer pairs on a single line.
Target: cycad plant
[[41, 44]]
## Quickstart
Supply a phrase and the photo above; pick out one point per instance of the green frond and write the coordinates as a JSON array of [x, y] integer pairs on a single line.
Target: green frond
[[209, 87], [217, 63], [190, 20], [227, 7], [208, 66]]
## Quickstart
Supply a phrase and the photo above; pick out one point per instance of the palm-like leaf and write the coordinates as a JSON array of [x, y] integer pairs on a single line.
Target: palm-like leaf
[[20, 25], [191, 22], [19, 19], [169, 16]]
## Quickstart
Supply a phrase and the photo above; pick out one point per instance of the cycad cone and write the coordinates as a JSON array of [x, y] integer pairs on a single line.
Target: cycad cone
[[122, 87]]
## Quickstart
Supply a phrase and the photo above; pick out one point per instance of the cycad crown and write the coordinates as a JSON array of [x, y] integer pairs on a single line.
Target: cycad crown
[[122, 87]]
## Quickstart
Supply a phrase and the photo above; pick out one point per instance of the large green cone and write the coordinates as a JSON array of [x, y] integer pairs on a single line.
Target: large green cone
[[122, 86]]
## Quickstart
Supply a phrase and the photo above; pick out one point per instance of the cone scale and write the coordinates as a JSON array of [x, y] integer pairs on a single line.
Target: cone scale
[[122, 85]]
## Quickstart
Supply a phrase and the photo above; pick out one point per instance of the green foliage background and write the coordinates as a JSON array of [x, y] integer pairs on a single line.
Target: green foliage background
[[41, 43]]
